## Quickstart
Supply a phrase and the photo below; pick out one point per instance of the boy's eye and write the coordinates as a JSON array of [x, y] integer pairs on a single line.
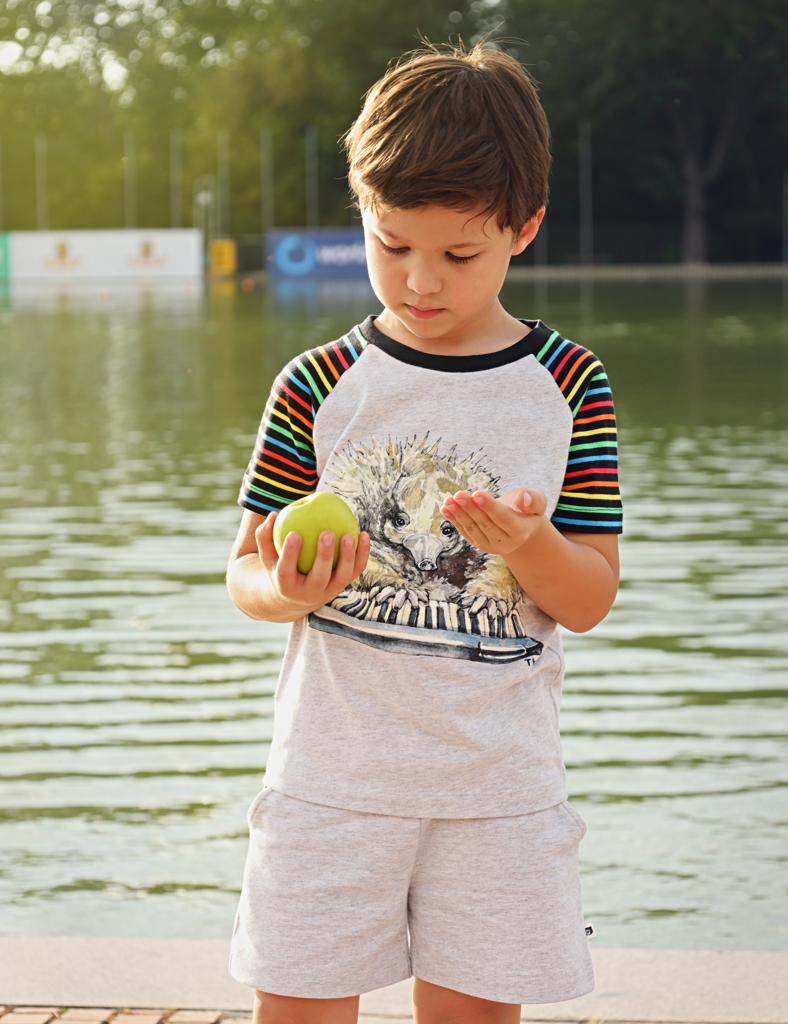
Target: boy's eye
[[392, 252]]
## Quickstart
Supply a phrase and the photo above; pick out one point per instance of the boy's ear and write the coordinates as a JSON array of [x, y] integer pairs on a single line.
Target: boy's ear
[[528, 233]]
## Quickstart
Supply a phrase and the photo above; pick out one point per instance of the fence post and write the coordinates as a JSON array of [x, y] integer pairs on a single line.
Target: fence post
[[205, 204], [176, 180], [42, 188], [586, 194], [130, 178], [266, 179], [223, 176], [312, 179], [785, 216]]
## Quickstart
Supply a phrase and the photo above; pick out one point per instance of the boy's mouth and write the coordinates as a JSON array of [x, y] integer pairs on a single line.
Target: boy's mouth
[[423, 312]]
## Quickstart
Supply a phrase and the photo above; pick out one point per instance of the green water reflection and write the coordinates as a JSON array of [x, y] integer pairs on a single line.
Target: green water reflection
[[137, 703]]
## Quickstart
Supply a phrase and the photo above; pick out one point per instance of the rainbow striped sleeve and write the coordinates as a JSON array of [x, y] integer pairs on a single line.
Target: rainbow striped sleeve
[[590, 500], [283, 467]]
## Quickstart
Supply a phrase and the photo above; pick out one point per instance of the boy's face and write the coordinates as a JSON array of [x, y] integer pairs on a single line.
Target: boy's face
[[438, 271]]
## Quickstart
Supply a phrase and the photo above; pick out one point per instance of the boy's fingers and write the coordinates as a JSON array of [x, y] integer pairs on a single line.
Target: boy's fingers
[[459, 518], [478, 529], [491, 523], [287, 566], [496, 514], [352, 561], [362, 555], [455, 513], [480, 512], [343, 573], [507, 512], [466, 521], [320, 573]]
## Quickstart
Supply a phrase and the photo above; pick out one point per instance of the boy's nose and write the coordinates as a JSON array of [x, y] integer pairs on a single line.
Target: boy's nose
[[423, 281]]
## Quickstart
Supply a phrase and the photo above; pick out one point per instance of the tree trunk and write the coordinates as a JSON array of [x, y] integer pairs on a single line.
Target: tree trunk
[[697, 169], [694, 233]]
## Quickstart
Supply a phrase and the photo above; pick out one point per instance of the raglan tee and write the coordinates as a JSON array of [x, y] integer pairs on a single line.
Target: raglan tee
[[431, 686]]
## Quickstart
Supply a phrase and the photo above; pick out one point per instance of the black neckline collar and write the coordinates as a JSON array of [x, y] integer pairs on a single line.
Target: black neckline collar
[[529, 345]]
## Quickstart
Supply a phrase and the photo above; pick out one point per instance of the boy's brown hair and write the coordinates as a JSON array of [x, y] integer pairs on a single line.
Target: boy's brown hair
[[452, 127]]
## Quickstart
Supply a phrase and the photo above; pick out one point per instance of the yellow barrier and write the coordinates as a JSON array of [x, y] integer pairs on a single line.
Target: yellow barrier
[[222, 257]]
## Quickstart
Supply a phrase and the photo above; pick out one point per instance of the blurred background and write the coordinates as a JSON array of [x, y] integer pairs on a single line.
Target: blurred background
[[136, 704], [673, 116]]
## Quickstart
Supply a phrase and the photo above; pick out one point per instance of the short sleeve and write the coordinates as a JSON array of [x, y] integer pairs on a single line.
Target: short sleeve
[[590, 499], [283, 467]]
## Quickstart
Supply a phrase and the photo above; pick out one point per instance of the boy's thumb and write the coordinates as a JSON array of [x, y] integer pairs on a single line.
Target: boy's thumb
[[260, 537], [533, 501]]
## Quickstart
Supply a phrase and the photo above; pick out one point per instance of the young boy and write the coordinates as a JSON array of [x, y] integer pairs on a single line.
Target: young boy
[[414, 819]]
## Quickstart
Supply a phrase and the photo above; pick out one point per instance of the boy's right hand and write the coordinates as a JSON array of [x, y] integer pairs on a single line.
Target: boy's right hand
[[298, 594]]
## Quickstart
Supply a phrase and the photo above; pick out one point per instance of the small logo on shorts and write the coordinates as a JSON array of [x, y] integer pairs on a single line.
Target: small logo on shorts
[[589, 930]]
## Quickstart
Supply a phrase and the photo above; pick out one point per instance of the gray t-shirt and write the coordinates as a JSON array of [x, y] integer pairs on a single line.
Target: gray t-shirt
[[430, 687]]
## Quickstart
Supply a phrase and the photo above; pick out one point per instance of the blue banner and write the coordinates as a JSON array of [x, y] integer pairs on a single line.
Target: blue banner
[[316, 252]]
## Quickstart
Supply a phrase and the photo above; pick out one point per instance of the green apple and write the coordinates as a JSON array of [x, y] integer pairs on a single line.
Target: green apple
[[310, 516]]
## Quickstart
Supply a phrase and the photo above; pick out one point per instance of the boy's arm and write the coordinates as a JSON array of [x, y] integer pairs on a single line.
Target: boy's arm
[[266, 586], [283, 468], [573, 577]]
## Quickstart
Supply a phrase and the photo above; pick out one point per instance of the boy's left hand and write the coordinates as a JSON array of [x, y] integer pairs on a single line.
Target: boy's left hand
[[497, 525]]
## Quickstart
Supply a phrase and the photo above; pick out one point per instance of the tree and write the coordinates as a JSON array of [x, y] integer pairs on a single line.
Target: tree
[[690, 79]]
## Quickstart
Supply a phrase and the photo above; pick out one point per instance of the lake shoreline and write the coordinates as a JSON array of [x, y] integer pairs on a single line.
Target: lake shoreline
[[522, 273]]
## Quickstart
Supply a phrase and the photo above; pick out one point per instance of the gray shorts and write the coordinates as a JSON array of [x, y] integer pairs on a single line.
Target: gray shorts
[[338, 902]]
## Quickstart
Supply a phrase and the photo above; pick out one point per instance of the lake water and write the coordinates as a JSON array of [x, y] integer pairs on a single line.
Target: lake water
[[137, 702]]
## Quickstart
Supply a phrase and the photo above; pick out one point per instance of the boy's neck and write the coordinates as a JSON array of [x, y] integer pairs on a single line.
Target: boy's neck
[[491, 332]]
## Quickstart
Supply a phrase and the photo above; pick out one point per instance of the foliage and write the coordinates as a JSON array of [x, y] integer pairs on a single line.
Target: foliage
[[676, 93], [196, 68], [687, 102]]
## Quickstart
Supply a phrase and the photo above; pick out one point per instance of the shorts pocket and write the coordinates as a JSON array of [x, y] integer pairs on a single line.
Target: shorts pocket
[[256, 803], [579, 825]]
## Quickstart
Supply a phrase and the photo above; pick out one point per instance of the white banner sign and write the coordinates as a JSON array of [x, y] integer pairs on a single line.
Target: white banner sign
[[105, 254]]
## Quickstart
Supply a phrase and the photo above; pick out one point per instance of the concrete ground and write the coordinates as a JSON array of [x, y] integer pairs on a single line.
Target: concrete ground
[[180, 981]]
